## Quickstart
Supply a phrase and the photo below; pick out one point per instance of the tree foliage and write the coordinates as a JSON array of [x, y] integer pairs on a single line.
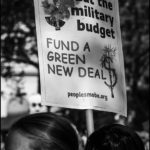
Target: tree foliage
[[134, 18], [18, 39]]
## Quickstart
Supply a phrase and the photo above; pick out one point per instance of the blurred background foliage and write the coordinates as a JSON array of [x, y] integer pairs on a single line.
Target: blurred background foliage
[[18, 45]]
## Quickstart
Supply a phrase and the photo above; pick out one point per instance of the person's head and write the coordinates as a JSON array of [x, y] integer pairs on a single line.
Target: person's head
[[114, 137], [42, 131]]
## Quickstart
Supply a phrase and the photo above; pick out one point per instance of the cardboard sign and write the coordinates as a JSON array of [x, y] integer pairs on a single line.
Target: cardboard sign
[[80, 54]]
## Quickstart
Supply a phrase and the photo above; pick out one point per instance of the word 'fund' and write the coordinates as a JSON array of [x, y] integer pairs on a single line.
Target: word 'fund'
[[59, 44], [101, 3]]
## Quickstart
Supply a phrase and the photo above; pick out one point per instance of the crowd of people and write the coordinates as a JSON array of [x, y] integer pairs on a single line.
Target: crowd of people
[[48, 131]]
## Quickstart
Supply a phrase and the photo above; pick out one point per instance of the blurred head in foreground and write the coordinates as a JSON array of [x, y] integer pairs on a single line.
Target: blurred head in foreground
[[42, 131], [114, 137]]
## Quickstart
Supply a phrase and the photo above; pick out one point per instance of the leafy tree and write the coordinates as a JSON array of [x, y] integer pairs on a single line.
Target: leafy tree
[[135, 35], [18, 39]]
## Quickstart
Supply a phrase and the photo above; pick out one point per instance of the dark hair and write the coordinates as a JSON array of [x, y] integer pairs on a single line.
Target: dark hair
[[47, 131], [114, 137]]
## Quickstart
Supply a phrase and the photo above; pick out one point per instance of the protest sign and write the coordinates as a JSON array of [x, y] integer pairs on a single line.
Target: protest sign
[[80, 54]]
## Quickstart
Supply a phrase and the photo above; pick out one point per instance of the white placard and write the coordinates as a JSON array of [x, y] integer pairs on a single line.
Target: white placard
[[80, 54]]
